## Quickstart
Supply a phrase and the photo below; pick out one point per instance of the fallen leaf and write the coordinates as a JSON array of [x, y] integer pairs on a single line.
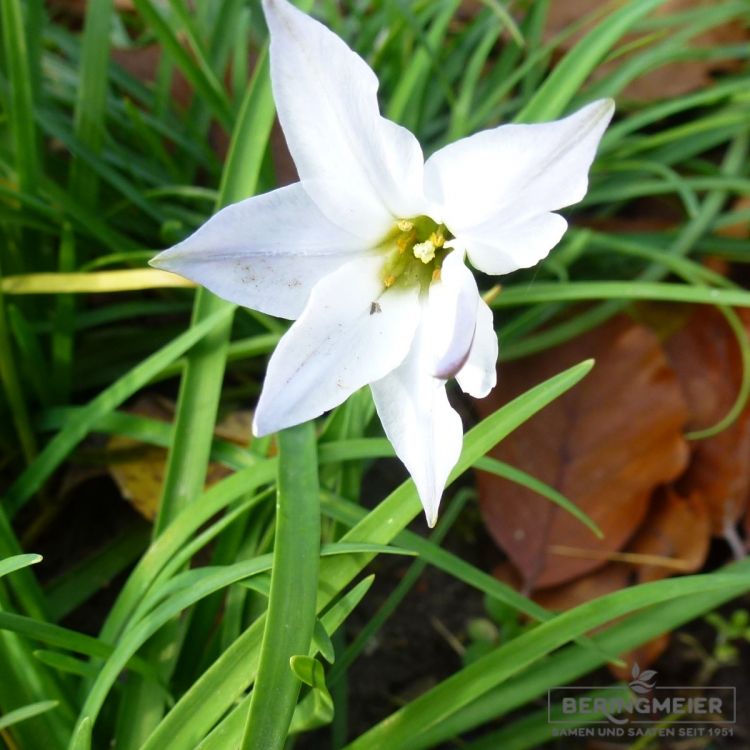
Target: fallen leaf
[[138, 469], [605, 445], [677, 529], [706, 358], [674, 537], [605, 580]]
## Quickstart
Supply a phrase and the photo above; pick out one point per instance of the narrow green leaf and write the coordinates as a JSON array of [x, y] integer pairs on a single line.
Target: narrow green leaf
[[82, 735], [14, 393], [9, 564], [294, 581], [628, 290], [65, 664], [194, 66], [322, 642], [568, 76], [501, 469], [91, 102], [316, 710], [413, 82], [21, 110], [27, 712]]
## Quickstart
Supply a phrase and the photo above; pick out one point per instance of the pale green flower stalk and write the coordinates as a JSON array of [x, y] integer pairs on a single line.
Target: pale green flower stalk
[[367, 252]]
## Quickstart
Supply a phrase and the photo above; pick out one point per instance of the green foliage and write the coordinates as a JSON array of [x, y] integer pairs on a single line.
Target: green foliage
[[99, 168]]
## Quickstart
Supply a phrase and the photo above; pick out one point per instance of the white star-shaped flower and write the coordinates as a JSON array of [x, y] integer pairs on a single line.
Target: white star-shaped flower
[[367, 251]]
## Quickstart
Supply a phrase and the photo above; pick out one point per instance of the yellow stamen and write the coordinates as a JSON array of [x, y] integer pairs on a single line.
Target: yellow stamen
[[390, 280], [437, 239], [436, 275], [405, 225], [425, 251]]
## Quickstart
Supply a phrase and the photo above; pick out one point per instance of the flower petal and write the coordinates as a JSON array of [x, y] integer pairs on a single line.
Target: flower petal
[[498, 248], [451, 316], [425, 431], [479, 375], [265, 252], [516, 171], [361, 169], [351, 333]]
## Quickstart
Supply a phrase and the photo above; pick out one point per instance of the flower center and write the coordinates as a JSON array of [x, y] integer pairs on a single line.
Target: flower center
[[415, 250]]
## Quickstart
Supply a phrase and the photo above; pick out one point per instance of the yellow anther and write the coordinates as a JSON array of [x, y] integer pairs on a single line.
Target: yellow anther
[[390, 280], [436, 275], [402, 243], [437, 238], [425, 251], [405, 225], [491, 294]]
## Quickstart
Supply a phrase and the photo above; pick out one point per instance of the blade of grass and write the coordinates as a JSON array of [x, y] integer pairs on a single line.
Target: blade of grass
[[200, 389], [553, 96], [616, 290], [14, 393], [64, 322], [26, 712], [501, 469], [294, 582], [21, 109], [195, 67], [404, 103], [90, 109], [11, 564], [93, 283]]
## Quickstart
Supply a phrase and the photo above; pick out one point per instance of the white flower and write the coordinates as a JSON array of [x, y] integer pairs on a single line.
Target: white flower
[[366, 252]]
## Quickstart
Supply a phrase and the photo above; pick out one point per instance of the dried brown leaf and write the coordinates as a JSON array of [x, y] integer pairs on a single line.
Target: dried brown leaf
[[705, 355], [678, 529], [606, 445]]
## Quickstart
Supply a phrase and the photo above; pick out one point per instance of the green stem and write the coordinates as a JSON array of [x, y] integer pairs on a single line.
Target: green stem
[[13, 390], [294, 584]]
